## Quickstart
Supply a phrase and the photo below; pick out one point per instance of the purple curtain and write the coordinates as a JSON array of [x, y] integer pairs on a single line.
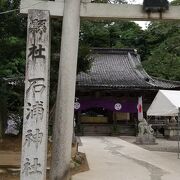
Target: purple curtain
[[109, 104]]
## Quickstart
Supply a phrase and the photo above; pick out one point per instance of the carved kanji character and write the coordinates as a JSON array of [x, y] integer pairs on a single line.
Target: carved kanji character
[[36, 111], [27, 167], [37, 85], [36, 52], [35, 167], [33, 138]]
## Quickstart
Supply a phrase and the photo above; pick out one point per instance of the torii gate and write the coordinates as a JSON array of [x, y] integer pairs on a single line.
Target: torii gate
[[34, 146]]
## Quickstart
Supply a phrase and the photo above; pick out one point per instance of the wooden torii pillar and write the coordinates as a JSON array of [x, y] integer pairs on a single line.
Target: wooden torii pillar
[[72, 11]]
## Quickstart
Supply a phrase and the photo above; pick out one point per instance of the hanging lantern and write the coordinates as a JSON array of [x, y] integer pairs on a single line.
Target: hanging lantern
[[155, 5]]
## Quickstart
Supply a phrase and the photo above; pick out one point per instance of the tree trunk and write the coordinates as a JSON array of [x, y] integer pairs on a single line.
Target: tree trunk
[[1, 129], [3, 116]]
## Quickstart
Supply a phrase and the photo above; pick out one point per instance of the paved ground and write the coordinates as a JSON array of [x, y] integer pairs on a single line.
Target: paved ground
[[163, 144], [111, 158]]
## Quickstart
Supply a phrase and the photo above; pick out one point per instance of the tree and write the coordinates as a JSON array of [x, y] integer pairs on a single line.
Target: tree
[[12, 40], [163, 42], [3, 108], [176, 2], [12, 55], [13, 52], [164, 61], [115, 34]]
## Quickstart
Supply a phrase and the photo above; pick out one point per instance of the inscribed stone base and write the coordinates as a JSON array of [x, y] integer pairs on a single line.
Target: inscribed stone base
[[146, 139]]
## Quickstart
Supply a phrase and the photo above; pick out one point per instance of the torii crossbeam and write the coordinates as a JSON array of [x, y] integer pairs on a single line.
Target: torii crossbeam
[[99, 10]]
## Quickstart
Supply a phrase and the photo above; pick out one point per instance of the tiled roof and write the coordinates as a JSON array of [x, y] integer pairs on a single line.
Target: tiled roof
[[119, 68]]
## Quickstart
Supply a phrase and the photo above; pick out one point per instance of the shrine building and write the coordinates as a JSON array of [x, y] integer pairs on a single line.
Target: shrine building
[[107, 95]]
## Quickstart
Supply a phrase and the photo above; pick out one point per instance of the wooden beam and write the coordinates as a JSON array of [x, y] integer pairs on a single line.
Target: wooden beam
[[100, 10]]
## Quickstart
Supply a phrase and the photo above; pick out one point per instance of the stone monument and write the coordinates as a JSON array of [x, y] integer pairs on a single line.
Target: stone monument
[[36, 100], [145, 134], [172, 129]]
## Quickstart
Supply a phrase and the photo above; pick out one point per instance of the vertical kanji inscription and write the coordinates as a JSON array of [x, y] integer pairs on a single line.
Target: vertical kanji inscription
[[35, 123]]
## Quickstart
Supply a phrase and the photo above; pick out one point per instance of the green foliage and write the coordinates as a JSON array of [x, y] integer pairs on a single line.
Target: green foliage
[[84, 59], [13, 53], [164, 61], [163, 42], [12, 60], [111, 34], [12, 40], [175, 2]]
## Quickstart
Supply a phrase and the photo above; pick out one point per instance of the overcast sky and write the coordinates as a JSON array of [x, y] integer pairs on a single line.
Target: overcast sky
[[139, 1], [136, 1], [143, 24]]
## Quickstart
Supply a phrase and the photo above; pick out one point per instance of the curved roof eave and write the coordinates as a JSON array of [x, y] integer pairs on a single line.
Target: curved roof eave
[[120, 69]]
